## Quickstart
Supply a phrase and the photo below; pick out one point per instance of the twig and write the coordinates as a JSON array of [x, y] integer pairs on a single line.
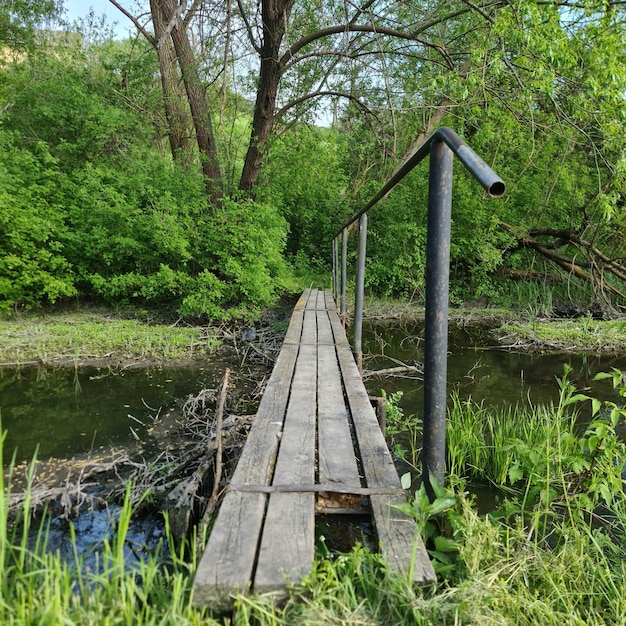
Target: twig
[[218, 437]]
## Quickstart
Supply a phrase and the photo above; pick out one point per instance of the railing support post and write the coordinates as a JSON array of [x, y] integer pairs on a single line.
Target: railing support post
[[335, 277], [436, 322], [344, 273], [359, 292]]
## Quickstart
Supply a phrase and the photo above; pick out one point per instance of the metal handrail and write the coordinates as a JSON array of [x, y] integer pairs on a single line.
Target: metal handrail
[[442, 146]]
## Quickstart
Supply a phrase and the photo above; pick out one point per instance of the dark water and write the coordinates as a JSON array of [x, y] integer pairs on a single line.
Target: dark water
[[94, 526], [478, 369], [64, 412]]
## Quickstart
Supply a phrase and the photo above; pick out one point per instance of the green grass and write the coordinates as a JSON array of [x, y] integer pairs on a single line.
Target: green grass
[[503, 574], [581, 334], [82, 336]]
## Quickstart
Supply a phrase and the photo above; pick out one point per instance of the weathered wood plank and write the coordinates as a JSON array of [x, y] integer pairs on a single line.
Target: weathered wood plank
[[228, 560], [336, 457], [287, 544], [400, 542], [397, 533], [295, 323], [325, 331], [337, 463], [329, 300]]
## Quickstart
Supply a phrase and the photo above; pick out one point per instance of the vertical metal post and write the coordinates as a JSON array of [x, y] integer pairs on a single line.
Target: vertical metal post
[[335, 270], [436, 323], [359, 290], [344, 273]]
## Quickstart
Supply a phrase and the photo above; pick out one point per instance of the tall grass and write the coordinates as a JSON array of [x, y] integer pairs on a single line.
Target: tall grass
[[493, 444], [38, 586]]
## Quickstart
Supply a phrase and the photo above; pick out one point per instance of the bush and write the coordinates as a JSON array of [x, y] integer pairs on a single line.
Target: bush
[[33, 268]]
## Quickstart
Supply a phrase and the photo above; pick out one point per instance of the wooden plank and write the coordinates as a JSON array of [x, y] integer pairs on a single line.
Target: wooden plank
[[287, 544], [324, 331], [398, 538], [400, 542], [336, 456], [309, 328], [295, 323], [321, 300], [337, 462], [330, 303], [228, 560]]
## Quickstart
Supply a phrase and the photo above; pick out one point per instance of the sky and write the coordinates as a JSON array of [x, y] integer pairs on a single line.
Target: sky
[[77, 9]]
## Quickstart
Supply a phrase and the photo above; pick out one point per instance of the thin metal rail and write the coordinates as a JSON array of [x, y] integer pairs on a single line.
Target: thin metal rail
[[442, 146]]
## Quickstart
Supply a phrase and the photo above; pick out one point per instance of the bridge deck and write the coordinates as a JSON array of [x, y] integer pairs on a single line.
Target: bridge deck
[[315, 444]]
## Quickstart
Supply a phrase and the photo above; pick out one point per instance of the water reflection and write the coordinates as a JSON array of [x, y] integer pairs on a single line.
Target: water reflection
[[477, 369], [65, 412]]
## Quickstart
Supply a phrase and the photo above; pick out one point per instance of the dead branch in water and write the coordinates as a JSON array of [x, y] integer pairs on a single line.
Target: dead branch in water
[[218, 435], [184, 502]]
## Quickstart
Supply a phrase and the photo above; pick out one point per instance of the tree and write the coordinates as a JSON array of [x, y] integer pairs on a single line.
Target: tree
[[179, 124], [365, 53], [19, 18], [166, 19]]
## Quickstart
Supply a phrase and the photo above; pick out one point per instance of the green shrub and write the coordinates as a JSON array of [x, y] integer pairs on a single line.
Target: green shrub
[[33, 268]]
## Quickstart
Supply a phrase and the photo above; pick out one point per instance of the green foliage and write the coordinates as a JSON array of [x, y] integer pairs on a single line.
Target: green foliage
[[243, 243], [538, 92], [33, 268], [19, 18], [92, 208], [427, 514], [303, 176], [404, 432], [542, 452]]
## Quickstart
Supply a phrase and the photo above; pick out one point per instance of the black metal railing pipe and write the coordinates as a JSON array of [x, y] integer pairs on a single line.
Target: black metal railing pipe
[[335, 279], [488, 179], [359, 292], [442, 146]]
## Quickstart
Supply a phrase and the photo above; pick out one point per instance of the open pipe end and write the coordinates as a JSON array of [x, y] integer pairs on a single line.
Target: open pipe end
[[497, 189]]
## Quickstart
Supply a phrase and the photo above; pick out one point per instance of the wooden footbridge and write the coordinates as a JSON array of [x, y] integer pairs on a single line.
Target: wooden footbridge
[[315, 447], [315, 444]]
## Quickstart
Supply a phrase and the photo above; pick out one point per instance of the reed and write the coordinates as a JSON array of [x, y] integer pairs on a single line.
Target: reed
[[495, 445]]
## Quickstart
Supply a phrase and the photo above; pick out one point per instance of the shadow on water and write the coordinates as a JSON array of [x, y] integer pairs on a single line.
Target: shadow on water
[[95, 526]]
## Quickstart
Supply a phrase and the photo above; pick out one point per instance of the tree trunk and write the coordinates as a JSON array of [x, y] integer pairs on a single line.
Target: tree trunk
[[178, 120], [275, 17], [196, 97]]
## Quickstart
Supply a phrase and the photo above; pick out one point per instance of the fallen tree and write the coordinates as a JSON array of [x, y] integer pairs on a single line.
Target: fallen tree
[[585, 259]]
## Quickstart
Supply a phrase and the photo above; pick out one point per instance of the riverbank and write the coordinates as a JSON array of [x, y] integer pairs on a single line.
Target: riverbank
[[517, 330], [93, 337], [102, 337]]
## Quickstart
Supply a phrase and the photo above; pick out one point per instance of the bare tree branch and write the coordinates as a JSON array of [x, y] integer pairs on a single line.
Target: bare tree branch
[[135, 21], [319, 94], [246, 21], [362, 28]]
